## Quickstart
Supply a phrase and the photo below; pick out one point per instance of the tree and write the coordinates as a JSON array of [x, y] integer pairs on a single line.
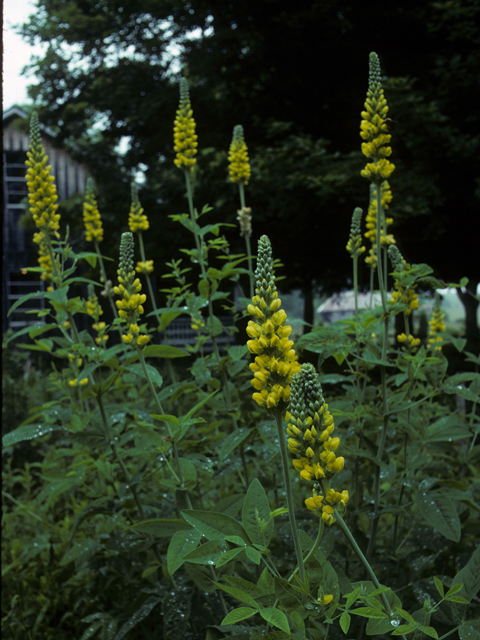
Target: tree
[[251, 63]]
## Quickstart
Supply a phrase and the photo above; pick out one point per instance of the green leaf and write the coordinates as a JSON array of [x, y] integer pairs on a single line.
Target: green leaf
[[214, 525], [208, 553], [17, 303], [369, 612], [439, 586], [378, 627], [153, 374], [332, 378], [242, 613], [256, 518], [253, 555], [457, 599], [238, 594], [161, 527], [140, 614], [345, 620], [470, 630], [455, 589], [428, 631], [28, 432], [232, 441], [298, 622], [438, 510], [181, 544], [163, 351], [446, 429], [469, 576], [228, 556], [276, 618], [189, 473], [352, 597]]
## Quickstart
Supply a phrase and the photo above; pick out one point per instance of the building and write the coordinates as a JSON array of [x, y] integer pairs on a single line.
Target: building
[[18, 249]]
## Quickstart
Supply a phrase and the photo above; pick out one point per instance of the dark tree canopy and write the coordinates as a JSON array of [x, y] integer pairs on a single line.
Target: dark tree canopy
[[295, 76]]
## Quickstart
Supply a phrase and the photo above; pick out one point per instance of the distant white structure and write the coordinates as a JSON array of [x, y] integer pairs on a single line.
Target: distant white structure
[[341, 305]]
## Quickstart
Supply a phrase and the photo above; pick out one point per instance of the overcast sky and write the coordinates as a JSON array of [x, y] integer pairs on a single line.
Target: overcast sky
[[16, 52]]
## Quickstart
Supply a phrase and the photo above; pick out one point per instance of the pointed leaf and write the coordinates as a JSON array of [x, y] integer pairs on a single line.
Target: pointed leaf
[[239, 595], [181, 544], [276, 618], [438, 509], [345, 620], [208, 553], [469, 576], [256, 515], [163, 351], [161, 527], [215, 525], [28, 432], [242, 613]]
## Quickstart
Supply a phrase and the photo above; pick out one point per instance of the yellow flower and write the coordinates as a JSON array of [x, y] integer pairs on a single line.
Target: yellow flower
[[184, 137], [137, 220], [91, 215], [276, 360], [42, 193], [373, 128], [239, 166], [310, 426], [130, 305], [386, 238], [437, 326], [145, 268]]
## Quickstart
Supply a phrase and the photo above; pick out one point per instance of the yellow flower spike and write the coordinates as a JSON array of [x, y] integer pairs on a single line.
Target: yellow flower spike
[[239, 166], [437, 326], [42, 193], [354, 245], [276, 361], [137, 220], [184, 137], [373, 128], [130, 305], [91, 215]]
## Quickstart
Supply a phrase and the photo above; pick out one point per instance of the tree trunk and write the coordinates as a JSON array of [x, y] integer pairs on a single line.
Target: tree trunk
[[470, 302]]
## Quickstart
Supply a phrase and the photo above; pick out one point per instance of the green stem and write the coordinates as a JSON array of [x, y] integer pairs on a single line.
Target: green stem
[[241, 188], [289, 495], [171, 370], [198, 240], [316, 544], [104, 278], [162, 412]]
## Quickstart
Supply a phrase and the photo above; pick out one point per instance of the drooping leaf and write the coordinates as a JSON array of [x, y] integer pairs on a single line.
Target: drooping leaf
[[276, 618], [242, 613], [28, 432]]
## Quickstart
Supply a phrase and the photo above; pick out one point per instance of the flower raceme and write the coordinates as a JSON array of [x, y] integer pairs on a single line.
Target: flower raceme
[[184, 136], [239, 166], [402, 295], [373, 128], [130, 305], [42, 193], [386, 239], [354, 245], [42, 199], [310, 427], [91, 215], [275, 359], [137, 220], [94, 310], [437, 325]]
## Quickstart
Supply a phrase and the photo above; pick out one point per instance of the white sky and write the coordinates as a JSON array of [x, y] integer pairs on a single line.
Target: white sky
[[16, 52]]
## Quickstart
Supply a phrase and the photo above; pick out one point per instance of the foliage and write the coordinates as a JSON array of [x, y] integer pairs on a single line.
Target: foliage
[[111, 73], [156, 503]]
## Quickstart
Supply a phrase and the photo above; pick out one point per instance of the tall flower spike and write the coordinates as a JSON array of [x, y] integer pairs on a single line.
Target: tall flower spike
[[130, 305], [437, 326], [137, 220], [42, 193], [91, 215], [373, 128], [184, 137], [402, 295], [354, 245], [310, 426], [387, 239], [275, 358], [239, 166], [94, 310]]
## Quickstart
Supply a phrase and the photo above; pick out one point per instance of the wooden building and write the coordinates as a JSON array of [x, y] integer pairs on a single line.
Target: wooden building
[[18, 249]]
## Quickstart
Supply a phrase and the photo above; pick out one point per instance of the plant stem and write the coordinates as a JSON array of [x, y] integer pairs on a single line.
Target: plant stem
[[241, 188], [162, 412], [288, 491]]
